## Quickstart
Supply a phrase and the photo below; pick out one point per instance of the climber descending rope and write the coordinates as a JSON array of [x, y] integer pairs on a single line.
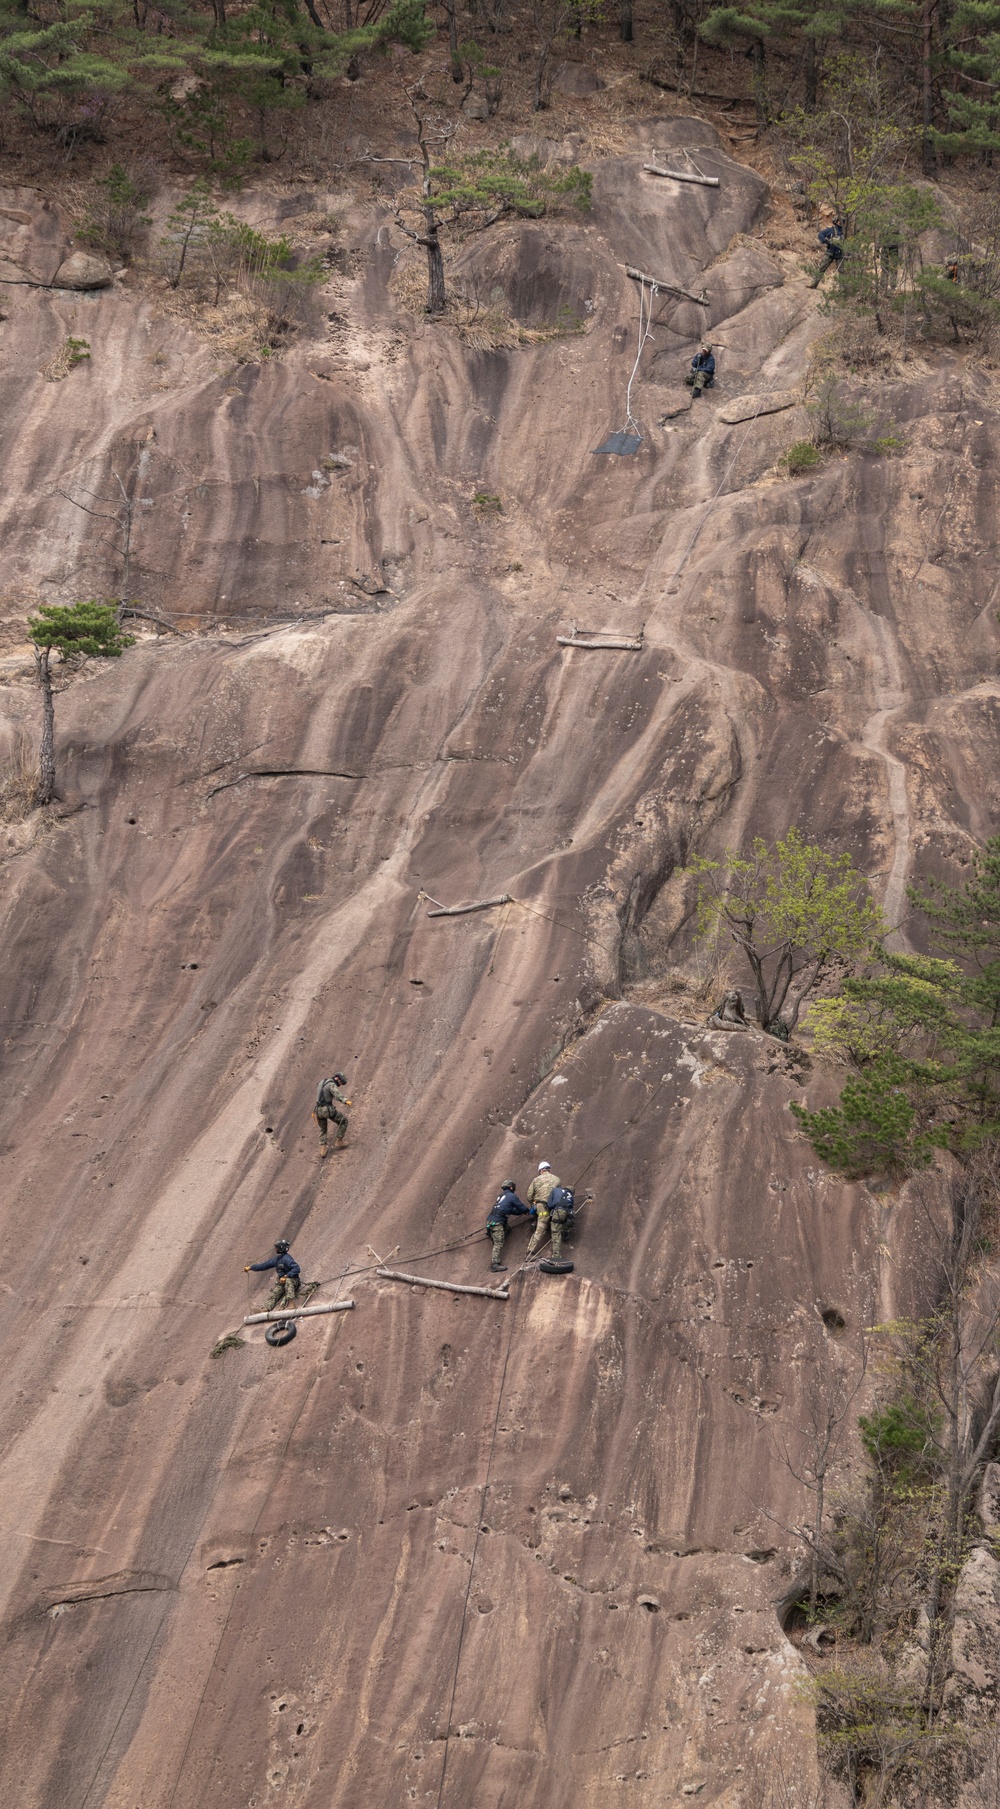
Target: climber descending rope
[[628, 439]]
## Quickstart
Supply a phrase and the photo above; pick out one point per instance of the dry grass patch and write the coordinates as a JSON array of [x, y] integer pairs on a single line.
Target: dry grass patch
[[71, 353], [18, 782]]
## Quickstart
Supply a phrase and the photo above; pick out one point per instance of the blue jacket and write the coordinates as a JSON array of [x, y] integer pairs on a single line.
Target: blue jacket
[[831, 236], [704, 361], [507, 1205], [285, 1265]]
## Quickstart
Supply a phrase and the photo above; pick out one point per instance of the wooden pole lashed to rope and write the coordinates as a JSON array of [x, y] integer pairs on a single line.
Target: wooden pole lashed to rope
[[682, 176], [445, 1287], [566, 640], [333, 1306], [462, 910], [639, 276]]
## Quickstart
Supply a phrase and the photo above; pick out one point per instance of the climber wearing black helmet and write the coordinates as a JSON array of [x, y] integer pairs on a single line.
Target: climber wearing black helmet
[[329, 1099], [507, 1205], [287, 1284]]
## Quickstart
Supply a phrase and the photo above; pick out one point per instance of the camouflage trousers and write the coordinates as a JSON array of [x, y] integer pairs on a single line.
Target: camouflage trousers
[[283, 1293], [327, 1115], [550, 1224]]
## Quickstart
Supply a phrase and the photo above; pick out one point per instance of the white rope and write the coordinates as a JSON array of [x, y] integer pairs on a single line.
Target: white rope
[[645, 332]]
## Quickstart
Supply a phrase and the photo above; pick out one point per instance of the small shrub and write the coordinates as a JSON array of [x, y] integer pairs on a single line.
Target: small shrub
[[838, 420], [888, 443], [487, 504], [802, 456], [116, 220], [901, 1438]]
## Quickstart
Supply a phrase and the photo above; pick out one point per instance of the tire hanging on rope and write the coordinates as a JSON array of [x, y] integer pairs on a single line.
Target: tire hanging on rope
[[628, 439], [282, 1333]]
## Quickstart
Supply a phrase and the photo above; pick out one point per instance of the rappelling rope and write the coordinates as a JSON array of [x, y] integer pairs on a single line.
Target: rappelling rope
[[645, 332]]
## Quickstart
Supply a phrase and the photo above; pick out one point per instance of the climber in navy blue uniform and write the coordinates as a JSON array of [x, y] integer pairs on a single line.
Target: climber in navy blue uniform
[[506, 1206], [831, 237], [288, 1281], [702, 373]]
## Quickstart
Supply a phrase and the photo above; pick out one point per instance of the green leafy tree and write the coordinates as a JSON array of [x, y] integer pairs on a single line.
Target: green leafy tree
[[874, 1129], [796, 913], [852, 153], [259, 63], [971, 55], [46, 64], [902, 1013], [966, 921], [88, 630], [474, 192], [750, 28]]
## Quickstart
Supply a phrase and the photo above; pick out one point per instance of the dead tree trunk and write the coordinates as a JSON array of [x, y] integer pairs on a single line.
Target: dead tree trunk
[[431, 242], [47, 750]]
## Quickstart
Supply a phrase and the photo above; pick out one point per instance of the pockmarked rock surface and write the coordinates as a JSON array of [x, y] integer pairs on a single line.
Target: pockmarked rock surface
[[443, 1549]]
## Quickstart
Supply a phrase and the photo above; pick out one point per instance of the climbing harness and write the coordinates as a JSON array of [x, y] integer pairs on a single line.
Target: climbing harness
[[628, 439]]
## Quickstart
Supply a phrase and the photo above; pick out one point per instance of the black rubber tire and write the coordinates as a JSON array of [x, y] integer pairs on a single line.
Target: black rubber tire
[[280, 1334], [548, 1267]]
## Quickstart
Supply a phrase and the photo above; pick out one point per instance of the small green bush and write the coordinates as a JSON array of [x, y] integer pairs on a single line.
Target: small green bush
[[901, 1438], [488, 502], [802, 456]]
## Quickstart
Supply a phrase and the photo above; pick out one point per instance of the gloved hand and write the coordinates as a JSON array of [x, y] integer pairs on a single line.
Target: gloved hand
[[246, 1270], [348, 1102]]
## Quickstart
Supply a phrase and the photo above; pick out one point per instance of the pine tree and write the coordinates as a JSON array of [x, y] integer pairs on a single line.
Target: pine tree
[[88, 629]]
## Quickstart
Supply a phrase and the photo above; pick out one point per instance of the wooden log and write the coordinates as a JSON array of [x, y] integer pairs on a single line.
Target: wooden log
[[332, 1306], [682, 176], [565, 640], [462, 910], [446, 1287], [639, 276]]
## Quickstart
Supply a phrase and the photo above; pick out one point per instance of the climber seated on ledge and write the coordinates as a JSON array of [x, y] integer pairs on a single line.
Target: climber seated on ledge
[[730, 1015], [289, 1276], [702, 373]]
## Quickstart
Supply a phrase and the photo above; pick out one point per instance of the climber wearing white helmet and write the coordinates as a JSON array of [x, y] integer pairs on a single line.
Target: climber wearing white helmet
[[538, 1196]]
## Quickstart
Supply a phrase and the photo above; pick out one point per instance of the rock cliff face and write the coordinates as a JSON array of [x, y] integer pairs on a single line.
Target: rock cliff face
[[444, 1549]]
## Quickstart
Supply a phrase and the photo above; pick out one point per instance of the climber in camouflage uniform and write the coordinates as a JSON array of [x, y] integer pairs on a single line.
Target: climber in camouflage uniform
[[329, 1099], [539, 1193]]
